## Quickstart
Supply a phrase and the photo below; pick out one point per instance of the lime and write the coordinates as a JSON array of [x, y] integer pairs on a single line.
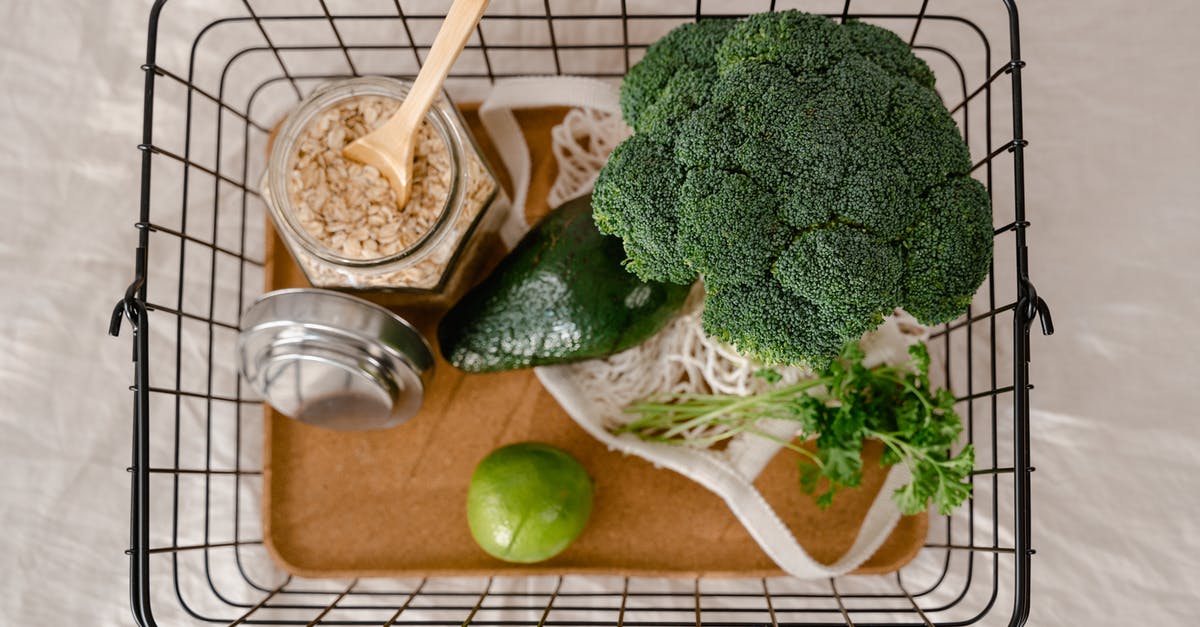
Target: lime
[[528, 501]]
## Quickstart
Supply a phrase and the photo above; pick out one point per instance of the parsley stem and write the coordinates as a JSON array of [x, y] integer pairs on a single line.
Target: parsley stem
[[664, 414], [844, 405], [788, 445], [908, 452], [911, 388]]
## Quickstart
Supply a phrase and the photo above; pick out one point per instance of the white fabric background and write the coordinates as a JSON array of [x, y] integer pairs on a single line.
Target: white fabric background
[[1111, 102]]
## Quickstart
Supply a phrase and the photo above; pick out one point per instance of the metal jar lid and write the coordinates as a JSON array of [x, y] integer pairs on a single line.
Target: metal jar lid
[[333, 360]]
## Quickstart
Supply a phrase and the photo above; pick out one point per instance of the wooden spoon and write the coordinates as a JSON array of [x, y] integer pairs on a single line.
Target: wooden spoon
[[389, 148]]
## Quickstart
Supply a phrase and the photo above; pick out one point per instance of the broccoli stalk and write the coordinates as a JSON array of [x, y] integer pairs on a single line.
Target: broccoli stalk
[[807, 171]]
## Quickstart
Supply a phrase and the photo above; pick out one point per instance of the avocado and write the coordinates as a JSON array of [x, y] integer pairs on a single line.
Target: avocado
[[561, 295]]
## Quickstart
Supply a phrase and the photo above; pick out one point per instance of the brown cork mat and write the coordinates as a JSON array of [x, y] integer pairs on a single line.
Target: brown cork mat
[[392, 503]]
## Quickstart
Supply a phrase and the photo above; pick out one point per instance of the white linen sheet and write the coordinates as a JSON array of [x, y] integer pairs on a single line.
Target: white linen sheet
[[1110, 112]]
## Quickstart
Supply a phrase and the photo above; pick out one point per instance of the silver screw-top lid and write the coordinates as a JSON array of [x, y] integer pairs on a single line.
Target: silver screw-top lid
[[333, 360]]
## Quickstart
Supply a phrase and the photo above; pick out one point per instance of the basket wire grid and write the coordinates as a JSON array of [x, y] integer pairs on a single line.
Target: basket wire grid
[[196, 549]]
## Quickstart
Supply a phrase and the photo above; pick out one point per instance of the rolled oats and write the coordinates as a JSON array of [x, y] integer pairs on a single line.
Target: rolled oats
[[350, 209], [344, 204]]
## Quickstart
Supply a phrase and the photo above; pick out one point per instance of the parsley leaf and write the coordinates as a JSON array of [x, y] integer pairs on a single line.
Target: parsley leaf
[[770, 375], [844, 405]]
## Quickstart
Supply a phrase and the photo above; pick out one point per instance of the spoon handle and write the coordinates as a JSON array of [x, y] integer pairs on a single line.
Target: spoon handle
[[460, 22]]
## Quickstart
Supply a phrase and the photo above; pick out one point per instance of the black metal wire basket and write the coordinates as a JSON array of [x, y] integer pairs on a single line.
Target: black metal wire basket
[[218, 74]]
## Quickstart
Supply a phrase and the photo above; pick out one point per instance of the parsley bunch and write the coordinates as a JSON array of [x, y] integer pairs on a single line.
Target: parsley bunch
[[844, 405]]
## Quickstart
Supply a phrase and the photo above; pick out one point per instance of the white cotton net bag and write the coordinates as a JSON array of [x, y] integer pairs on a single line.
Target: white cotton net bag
[[681, 358]]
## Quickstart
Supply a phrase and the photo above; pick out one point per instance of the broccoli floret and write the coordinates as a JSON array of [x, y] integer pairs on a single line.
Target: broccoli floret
[[843, 268], [949, 251], [933, 148], [755, 317], [886, 50], [635, 198], [731, 247], [807, 171], [857, 87], [707, 139], [858, 174], [801, 43], [688, 47], [846, 170], [761, 97], [684, 93]]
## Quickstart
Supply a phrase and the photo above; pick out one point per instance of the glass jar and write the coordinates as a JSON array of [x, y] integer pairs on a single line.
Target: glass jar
[[327, 211]]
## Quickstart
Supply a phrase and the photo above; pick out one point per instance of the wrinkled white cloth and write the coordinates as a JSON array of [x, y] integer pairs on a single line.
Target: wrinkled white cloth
[[1110, 102]]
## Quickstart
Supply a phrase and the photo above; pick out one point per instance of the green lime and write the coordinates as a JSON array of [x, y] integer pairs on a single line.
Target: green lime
[[527, 502]]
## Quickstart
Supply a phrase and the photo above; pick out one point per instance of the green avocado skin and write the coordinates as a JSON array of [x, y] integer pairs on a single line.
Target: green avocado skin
[[561, 295]]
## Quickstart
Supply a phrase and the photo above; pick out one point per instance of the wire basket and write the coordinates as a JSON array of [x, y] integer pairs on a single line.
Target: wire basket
[[220, 73]]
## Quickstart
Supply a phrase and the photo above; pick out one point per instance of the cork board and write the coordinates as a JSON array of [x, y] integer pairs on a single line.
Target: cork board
[[393, 502]]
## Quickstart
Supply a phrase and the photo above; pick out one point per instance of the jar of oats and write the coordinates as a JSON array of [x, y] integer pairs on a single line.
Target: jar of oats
[[339, 218]]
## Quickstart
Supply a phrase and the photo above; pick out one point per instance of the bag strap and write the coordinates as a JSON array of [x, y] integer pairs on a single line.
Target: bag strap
[[497, 116]]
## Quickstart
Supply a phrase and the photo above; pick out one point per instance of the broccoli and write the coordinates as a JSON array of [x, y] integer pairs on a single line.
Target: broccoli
[[807, 171]]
